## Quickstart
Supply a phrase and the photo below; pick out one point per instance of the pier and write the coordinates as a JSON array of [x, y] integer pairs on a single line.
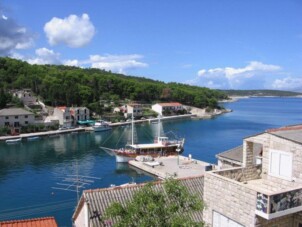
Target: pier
[[172, 166]]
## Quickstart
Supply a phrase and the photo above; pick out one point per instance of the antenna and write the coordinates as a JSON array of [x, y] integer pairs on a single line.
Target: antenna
[[75, 182]]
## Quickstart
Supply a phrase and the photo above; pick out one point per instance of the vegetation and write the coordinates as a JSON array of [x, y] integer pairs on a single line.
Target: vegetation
[[150, 207], [65, 85], [260, 93]]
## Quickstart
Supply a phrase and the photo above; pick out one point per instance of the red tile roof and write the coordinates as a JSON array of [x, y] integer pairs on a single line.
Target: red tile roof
[[34, 222], [286, 128], [170, 104]]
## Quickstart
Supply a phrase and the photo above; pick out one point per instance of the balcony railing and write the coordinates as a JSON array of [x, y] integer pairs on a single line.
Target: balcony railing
[[279, 204]]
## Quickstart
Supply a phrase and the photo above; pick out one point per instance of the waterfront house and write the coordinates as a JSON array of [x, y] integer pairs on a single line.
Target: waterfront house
[[39, 222], [63, 114], [161, 108], [15, 118], [266, 193], [133, 109], [79, 114], [93, 203]]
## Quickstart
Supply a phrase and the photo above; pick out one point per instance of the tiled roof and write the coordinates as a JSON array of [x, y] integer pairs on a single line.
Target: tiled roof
[[35, 222], [293, 133], [170, 104], [236, 154], [14, 112], [100, 199]]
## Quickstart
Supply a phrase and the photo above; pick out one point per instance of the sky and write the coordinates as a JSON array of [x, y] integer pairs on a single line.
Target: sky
[[221, 44]]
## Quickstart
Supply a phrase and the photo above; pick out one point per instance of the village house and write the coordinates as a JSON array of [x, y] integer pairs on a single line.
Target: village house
[[79, 114], [63, 114], [69, 116], [160, 108], [133, 109], [15, 118], [266, 193], [93, 203], [26, 97]]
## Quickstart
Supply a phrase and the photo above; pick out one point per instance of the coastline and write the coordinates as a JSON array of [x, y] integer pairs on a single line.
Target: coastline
[[236, 98]]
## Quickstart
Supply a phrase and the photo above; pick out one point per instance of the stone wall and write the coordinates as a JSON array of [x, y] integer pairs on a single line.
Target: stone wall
[[229, 198]]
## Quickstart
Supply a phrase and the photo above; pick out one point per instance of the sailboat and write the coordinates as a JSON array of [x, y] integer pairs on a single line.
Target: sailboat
[[162, 146]]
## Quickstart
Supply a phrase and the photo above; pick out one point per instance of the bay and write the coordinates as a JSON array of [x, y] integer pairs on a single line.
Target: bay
[[30, 170]]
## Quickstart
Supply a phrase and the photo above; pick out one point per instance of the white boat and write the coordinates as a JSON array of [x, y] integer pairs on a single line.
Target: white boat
[[162, 146], [13, 140], [33, 138], [100, 126]]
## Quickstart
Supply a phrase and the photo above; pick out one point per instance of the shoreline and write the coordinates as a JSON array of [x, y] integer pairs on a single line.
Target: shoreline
[[89, 129], [236, 98]]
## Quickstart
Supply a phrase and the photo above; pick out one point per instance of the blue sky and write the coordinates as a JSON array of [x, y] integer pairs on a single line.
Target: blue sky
[[225, 44]]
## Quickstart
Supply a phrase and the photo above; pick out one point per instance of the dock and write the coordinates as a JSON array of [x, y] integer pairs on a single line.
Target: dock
[[173, 166]]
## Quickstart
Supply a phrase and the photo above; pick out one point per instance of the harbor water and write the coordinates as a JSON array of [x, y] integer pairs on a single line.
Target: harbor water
[[30, 171]]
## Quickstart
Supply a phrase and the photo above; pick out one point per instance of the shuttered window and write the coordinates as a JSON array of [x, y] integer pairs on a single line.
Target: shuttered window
[[280, 164]]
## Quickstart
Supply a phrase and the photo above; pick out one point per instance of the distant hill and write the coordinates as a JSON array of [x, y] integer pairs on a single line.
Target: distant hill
[[260, 93], [66, 85]]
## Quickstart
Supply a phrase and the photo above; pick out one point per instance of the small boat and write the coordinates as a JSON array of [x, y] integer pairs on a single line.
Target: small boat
[[162, 146], [13, 140], [100, 126], [33, 138]]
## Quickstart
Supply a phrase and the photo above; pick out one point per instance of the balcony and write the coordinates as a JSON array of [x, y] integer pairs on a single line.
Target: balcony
[[275, 205]]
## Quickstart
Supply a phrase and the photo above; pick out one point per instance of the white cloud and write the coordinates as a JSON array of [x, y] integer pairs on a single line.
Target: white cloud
[[288, 83], [233, 78], [117, 63], [45, 56], [74, 62], [13, 36], [73, 31]]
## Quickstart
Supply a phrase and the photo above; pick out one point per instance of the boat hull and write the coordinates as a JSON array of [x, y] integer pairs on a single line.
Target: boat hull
[[121, 158], [13, 141], [101, 129]]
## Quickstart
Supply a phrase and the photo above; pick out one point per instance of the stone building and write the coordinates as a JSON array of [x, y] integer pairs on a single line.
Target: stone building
[[15, 118], [133, 109], [26, 97], [63, 114], [259, 194], [160, 108], [79, 114]]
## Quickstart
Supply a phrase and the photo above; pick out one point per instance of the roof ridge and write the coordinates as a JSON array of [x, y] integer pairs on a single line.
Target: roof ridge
[[26, 220], [286, 128]]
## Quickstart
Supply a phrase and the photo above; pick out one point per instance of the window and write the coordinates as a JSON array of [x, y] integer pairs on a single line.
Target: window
[[16, 117], [26, 116], [26, 122], [220, 220], [280, 164], [6, 117], [6, 123]]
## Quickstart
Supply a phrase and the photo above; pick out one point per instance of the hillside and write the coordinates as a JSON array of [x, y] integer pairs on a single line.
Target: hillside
[[65, 85], [259, 93]]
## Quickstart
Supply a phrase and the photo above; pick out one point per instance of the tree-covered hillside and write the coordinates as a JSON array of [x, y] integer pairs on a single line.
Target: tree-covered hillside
[[65, 85]]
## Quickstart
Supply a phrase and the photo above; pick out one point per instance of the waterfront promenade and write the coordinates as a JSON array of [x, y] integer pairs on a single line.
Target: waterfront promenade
[[83, 129]]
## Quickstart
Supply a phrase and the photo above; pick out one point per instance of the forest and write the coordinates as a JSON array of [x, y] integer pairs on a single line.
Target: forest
[[65, 85]]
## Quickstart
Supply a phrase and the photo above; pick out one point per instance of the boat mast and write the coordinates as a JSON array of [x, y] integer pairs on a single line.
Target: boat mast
[[132, 131], [158, 128]]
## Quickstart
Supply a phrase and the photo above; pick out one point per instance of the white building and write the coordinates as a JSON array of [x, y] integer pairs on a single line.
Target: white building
[[64, 116], [160, 108], [16, 117], [134, 109]]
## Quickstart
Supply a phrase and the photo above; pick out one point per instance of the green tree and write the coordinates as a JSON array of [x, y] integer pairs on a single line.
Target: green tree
[[171, 206]]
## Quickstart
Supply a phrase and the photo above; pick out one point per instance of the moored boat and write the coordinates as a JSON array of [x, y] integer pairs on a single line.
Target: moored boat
[[162, 146], [33, 138], [100, 126], [13, 140]]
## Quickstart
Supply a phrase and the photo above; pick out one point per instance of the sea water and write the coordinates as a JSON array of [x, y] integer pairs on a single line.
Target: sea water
[[30, 171]]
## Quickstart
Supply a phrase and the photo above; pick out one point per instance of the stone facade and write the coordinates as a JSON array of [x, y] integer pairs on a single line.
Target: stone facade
[[233, 192]]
